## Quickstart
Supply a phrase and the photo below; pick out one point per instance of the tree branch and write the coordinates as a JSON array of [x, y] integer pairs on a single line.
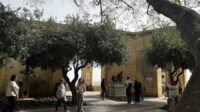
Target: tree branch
[[167, 8], [97, 2], [75, 62], [177, 78], [83, 65], [69, 68], [148, 11], [75, 1], [64, 74], [127, 4]]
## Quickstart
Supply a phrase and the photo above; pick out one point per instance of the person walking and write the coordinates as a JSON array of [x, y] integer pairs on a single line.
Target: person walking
[[137, 92], [61, 95], [12, 93], [128, 85], [80, 90], [103, 89]]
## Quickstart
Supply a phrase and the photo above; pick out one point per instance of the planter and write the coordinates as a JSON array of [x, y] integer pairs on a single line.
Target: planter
[[117, 90]]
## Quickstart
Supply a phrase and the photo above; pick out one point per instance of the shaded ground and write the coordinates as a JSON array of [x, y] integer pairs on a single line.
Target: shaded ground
[[97, 105]]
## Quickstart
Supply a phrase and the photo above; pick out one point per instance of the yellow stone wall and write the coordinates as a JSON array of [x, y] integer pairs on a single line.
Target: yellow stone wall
[[14, 67], [136, 67], [87, 75]]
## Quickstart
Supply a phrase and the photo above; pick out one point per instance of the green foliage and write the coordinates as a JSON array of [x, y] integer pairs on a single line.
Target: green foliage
[[169, 52], [78, 42], [8, 21], [167, 47], [29, 31]]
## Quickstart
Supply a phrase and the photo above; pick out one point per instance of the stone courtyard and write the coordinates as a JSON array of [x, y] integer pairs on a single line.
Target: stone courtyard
[[94, 104]]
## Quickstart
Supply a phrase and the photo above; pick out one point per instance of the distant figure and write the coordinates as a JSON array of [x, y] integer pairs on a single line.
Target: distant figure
[[119, 77], [113, 79], [128, 85], [137, 88], [180, 88], [140, 87], [80, 90], [12, 93], [61, 95], [103, 89], [163, 89]]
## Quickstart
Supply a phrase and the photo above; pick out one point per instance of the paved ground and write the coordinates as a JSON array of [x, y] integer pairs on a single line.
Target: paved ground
[[97, 105]]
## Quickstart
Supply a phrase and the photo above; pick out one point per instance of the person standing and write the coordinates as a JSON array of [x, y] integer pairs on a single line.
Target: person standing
[[140, 88], [61, 95], [12, 93], [137, 88], [128, 85], [180, 88], [103, 89], [80, 90]]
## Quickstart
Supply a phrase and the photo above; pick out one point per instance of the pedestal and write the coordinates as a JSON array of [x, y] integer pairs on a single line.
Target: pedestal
[[117, 90]]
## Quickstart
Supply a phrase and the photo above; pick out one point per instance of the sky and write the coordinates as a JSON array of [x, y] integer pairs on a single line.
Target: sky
[[59, 9]]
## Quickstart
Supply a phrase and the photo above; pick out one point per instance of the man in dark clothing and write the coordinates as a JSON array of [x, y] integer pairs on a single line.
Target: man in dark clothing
[[140, 90], [128, 93], [103, 89], [137, 87], [128, 85]]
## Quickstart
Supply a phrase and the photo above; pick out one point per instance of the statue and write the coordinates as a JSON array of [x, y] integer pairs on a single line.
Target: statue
[[113, 78], [117, 78]]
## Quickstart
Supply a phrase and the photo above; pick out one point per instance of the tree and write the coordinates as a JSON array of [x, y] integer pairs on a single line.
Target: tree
[[77, 43], [8, 33], [187, 21], [169, 52]]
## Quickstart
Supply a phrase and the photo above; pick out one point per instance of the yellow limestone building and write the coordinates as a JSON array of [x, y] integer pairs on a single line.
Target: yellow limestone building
[[136, 68]]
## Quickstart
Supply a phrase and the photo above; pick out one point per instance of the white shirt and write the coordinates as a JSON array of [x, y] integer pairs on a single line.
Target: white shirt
[[127, 83], [9, 92], [61, 91], [62, 86]]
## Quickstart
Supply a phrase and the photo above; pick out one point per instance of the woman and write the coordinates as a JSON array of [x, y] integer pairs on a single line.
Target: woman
[[61, 95], [80, 90], [12, 92]]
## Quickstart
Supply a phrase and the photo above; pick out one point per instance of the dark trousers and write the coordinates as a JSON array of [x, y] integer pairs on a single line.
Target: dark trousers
[[128, 95], [61, 100], [103, 94], [12, 101]]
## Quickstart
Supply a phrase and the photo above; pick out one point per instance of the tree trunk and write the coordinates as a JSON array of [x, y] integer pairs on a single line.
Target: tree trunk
[[25, 84], [188, 23], [71, 85], [74, 93]]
